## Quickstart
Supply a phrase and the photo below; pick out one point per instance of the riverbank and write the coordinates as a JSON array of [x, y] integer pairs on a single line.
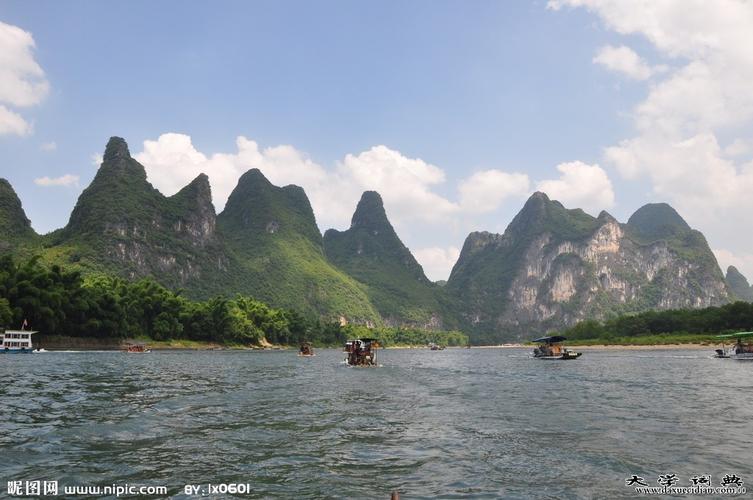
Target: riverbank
[[58, 342], [61, 342]]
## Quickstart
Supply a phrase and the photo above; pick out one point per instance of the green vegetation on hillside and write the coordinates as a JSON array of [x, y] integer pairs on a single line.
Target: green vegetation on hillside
[[59, 302], [400, 336], [272, 233], [15, 227], [265, 244], [123, 226], [373, 254], [656, 221], [739, 285]]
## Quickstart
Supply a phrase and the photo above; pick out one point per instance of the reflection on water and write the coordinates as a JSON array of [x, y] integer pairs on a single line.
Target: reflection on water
[[483, 423]]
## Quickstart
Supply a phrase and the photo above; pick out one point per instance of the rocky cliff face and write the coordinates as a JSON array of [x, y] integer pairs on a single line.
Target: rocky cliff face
[[373, 254], [554, 266], [122, 223]]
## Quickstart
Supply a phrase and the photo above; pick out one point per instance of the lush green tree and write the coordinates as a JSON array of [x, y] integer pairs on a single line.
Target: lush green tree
[[58, 302]]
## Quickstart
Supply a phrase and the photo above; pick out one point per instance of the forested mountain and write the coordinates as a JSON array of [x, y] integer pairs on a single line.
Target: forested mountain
[[272, 233], [372, 253], [739, 285], [552, 267], [14, 225]]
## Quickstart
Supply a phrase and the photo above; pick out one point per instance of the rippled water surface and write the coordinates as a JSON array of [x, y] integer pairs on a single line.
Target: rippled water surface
[[484, 423]]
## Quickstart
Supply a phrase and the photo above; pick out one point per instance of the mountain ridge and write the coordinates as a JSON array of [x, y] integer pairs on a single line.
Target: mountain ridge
[[551, 267], [372, 252], [554, 266]]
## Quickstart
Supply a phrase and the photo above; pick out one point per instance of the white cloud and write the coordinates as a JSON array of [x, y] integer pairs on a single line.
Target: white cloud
[[484, 191], [64, 180], [405, 183], [738, 147], [22, 80], [49, 146], [437, 261], [623, 60], [580, 185], [96, 159], [13, 123], [408, 185], [706, 95]]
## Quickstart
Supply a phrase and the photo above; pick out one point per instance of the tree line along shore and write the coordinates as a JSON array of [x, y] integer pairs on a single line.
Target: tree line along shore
[[72, 310]]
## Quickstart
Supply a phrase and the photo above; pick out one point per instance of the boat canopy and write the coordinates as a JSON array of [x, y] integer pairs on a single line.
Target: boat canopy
[[550, 340], [734, 335]]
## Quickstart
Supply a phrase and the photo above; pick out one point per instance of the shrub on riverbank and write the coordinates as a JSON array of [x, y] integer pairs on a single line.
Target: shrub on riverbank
[[670, 326]]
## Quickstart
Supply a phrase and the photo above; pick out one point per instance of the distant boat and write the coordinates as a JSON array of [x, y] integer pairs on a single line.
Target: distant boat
[[435, 347], [740, 351], [138, 348], [551, 348], [17, 342], [306, 350], [361, 352]]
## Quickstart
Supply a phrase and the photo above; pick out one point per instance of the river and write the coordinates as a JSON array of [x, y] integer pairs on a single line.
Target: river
[[478, 423]]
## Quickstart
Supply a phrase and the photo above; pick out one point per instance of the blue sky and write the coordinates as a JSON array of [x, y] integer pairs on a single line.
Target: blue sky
[[442, 90]]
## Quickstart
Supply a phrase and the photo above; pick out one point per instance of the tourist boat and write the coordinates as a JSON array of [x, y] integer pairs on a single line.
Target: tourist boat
[[740, 351], [552, 348], [306, 350], [138, 348], [361, 352], [16, 342]]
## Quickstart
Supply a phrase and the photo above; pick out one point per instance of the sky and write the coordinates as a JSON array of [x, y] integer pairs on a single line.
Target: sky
[[454, 111]]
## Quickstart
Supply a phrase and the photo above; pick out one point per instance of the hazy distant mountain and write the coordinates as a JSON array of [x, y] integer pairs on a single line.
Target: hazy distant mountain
[[554, 266], [739, 285]]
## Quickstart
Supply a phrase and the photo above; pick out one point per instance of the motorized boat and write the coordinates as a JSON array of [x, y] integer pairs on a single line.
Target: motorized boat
[[306, 350], [740, 350], [137, 348], [721, 353], [17, 342], [551, 348], [435, 347], [361, 352]]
